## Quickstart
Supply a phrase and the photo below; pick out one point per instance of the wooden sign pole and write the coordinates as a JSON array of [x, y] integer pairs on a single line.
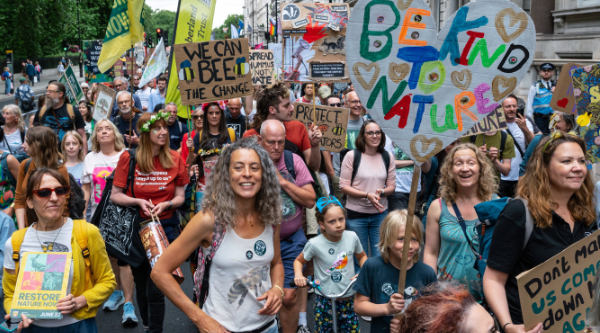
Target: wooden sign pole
[[412, 202]]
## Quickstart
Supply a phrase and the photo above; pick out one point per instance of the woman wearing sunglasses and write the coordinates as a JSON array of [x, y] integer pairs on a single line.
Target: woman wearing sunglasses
[[158, 188], [88, 285], [187, 143], [42, 145], [560, 197]]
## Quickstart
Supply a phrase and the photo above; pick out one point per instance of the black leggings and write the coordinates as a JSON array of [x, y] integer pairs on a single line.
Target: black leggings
[[150, 299]]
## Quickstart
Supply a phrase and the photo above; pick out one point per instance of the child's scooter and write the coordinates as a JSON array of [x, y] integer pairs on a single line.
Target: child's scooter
[[332, 298]]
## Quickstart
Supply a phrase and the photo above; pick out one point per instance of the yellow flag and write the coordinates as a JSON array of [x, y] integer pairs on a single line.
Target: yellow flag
[[125, 28], [193, 24]]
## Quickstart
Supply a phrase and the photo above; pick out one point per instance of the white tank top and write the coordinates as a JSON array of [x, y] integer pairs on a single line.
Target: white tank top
[[239, 274]]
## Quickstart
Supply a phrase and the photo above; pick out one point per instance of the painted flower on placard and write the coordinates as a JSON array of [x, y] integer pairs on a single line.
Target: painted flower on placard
[[576, 92], [597, 140]]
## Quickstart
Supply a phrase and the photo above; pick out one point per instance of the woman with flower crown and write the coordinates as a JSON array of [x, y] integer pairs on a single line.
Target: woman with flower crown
[[158, 188]]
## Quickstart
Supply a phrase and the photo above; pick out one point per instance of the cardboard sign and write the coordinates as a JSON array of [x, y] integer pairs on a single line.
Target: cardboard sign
[[494, 121], [104, 102], [262, 67], [426, 89], [587, 101], [213, 70], [562, 98], [558, 292], [63, 79], [314, 42], [277, 49], [333, 122]]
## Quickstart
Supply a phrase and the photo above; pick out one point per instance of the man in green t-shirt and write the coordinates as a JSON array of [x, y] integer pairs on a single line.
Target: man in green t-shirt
[[490, 144]]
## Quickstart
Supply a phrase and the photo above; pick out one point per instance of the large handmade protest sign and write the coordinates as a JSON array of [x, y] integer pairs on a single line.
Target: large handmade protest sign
[[563, 98], [104, 102], [586, 88], [91, 54], [262, 67], [426, 89], [213, 70], [314, 41], [333, 122], [558, 292], [277, 49], [494, 121]]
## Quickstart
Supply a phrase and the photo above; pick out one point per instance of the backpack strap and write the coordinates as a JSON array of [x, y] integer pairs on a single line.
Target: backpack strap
[[288, 156], [180, 127], [463, 226], [386, 160], [515, 143], [16, 240], [71, 115], [80, 230], [5, 169], [503, 137], [231, 134], [22, 136], [355, 164], [131, 174], [528, 221], [41, 112]]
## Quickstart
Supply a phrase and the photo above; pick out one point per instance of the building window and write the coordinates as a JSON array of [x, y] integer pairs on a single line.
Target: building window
[[588, 3]]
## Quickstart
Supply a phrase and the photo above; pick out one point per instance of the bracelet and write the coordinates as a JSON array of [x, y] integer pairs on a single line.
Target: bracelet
[[170, 204], [367, 196], [504, 327], [278, 287]]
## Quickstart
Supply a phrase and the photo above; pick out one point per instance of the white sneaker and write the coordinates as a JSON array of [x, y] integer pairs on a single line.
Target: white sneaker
[[365, 318]]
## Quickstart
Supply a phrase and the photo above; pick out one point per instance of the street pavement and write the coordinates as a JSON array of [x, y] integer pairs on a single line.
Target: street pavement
[[39, 89], [175, 320]]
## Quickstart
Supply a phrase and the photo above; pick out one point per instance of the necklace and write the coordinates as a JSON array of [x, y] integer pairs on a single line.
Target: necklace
[[50, 246]]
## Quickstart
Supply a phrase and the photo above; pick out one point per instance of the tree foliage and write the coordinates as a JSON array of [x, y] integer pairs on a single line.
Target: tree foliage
[[164, 19], [231, 19], [34, 28]]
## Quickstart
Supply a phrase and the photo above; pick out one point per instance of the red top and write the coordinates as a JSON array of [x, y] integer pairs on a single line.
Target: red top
[[184, 148], [158, 186]]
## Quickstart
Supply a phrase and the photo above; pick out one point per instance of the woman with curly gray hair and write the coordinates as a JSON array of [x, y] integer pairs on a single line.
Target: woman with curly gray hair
[[467, 177], [240, 214]]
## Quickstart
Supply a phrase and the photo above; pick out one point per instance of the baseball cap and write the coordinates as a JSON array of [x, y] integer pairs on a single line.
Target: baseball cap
[[324, 91]]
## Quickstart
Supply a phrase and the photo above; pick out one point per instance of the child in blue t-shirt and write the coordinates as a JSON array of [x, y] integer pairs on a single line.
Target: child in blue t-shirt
[[377, 285], [333, 253]]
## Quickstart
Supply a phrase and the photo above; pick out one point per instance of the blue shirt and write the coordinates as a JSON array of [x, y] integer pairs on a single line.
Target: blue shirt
[[30, 70], [176, 132], [378, 281], [24, 92], [154, 100], [528, 153]]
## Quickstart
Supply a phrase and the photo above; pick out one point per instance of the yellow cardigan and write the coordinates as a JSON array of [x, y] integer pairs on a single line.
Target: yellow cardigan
[[95, 289]]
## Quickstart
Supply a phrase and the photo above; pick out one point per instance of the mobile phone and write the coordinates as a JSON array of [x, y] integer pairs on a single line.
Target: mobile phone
[[128, 132], [9, 326], [521, 112]]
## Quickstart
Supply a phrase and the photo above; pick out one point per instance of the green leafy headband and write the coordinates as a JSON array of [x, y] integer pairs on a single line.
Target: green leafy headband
[[159, 116]]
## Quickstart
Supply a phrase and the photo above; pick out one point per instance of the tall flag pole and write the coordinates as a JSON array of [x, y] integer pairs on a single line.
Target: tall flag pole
[[193, 24], [125, 28]]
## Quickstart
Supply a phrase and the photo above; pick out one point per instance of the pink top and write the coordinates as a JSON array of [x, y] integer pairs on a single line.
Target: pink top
[[371, 176]]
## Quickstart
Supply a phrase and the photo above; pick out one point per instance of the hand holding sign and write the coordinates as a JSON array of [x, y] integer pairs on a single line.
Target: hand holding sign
[[456, 77]]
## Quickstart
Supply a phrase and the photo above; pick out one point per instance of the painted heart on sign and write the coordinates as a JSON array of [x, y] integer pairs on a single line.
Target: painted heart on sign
[[397, 72], [415, 102], [563, 102], [359, 77]]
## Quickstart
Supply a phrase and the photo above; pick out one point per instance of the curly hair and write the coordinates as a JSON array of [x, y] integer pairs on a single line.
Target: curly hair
[[535, 184], [270, 96], [488, 179], [443, 308], [220, 198]]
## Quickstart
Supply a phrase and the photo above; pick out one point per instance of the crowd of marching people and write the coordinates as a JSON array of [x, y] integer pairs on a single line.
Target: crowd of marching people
[[266, 216]]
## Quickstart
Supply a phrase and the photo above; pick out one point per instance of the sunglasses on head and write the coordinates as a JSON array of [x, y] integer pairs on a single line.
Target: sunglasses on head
[[47, 192], [339, 105]]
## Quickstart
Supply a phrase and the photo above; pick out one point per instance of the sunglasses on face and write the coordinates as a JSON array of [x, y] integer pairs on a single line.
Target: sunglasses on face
[[339, 105], [47, 192], [196, 117]]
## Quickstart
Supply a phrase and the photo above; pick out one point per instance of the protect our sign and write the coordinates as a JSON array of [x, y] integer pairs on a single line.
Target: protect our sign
[[333, 122], [426, 89], [494, 121], [558, 293], [213, 70]]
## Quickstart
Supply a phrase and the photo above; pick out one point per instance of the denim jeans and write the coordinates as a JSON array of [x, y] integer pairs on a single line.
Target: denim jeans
[[367, 229], [150, 299], [8, 86], [83, 326]]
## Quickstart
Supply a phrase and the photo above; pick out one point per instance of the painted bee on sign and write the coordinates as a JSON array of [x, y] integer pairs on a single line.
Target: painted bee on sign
[[338, 130], [252, 281]]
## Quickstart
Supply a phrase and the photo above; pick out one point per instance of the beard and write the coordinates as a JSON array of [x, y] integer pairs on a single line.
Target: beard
[[50, 102], [125, 109]]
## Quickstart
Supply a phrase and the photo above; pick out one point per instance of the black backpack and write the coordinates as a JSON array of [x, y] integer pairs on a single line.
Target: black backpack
[[76, 203], [27, 104], [357, 157]]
